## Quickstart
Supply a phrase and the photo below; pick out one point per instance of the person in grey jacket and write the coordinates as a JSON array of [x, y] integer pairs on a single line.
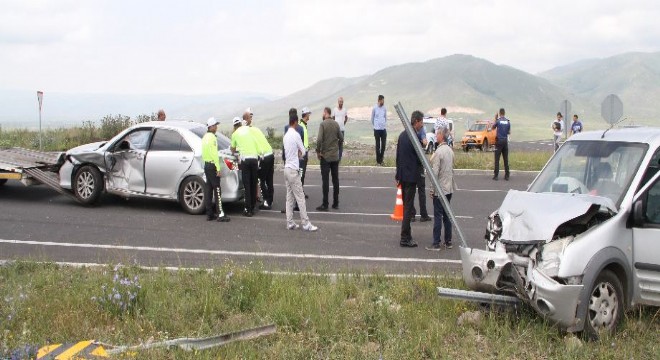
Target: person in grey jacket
[[327, 150], [442, 163]]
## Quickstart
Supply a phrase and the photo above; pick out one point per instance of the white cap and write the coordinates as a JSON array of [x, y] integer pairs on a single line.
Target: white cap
[[306, 110], [237, 120], [211, 121], [249, 111]]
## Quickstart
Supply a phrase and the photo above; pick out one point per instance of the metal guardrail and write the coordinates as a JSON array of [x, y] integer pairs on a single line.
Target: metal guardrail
[[429, 170], [477, 296]]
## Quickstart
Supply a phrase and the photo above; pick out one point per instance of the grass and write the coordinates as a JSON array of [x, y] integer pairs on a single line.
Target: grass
[[343, 317]]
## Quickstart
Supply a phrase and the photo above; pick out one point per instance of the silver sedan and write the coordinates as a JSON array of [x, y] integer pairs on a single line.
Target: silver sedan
[[160, 159]]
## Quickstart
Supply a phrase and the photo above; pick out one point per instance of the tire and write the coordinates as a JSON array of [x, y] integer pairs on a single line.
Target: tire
[[191, 195], [484, 146], [3, 181], [605, 309], [88, 184]]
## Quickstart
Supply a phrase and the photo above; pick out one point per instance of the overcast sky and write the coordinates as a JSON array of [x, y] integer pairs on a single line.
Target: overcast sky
[[278, 47]]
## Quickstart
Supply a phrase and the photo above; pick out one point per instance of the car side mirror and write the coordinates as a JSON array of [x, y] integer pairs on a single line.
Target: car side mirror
[[638, 213]]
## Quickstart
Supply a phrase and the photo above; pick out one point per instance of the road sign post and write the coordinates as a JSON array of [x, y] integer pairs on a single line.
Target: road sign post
[[40, 99], [565, 108]]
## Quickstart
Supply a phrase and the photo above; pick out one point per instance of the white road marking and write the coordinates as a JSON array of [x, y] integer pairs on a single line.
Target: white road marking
[[226, 252], [276, 273], [355, 213]]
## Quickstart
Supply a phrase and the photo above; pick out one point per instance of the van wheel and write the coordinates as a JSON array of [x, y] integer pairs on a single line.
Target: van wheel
[[191, 195], [484, 146], [88, 184], [605, 309]]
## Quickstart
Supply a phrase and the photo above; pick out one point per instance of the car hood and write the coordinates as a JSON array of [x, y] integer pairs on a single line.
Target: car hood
[[86, 148], [529, 217], [473, 133]]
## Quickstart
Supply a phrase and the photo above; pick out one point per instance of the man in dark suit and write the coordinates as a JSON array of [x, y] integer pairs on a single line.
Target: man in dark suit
[[408, 169]]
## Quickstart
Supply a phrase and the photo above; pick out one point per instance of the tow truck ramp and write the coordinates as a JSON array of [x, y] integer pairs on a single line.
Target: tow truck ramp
[[32, 167]]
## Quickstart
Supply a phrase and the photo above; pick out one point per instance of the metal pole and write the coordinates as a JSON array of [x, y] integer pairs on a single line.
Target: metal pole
[[429, 170], [40, 145]]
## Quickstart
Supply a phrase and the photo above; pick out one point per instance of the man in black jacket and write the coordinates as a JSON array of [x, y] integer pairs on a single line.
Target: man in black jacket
[[408, 168]]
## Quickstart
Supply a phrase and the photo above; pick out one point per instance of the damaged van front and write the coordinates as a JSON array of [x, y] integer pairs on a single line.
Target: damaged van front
[[565, 246]]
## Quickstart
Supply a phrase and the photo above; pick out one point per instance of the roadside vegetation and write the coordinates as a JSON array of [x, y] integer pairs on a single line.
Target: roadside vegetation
[[351, 316], [356, 154]]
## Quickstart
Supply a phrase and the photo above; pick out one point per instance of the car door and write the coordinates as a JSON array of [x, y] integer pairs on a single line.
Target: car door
[[646, 246], [169, 157], [125, 162]]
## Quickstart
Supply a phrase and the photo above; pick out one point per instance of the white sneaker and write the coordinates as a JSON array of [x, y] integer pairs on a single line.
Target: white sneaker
[[293, 226], [309, 227]]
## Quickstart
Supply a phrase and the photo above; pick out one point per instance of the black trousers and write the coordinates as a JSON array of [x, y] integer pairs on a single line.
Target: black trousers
[[328, 167], [421, 192], [502, 147], [266, 169], [381, 141], [341, 145], [212, 199], [249, 170], [302, 163], [408, 190]]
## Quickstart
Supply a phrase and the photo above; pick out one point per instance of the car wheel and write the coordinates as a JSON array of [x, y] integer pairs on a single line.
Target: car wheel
[[484, 146], [191, 195], [605, 309], [3, 181], [88, 184]]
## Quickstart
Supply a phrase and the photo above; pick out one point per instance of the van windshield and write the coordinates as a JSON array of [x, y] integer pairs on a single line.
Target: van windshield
[[603, 168]]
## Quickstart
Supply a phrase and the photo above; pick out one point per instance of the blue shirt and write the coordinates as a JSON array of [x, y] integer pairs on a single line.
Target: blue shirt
[[421, 134], [503, 128], [576, 127], [379, 117]]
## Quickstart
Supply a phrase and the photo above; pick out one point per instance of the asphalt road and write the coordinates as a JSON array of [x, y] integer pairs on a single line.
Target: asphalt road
[[39, 224]]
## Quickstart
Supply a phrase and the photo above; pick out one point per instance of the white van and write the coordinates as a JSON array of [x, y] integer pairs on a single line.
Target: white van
[[582, 244]]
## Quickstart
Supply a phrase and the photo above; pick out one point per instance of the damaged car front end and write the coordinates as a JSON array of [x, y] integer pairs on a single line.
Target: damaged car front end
[[525, 248]]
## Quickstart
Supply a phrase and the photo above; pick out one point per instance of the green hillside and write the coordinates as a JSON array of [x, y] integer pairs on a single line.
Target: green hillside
[[634, 77], [476, 87]]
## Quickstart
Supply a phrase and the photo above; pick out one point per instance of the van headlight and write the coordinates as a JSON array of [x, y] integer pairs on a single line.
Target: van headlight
[[551, 255]]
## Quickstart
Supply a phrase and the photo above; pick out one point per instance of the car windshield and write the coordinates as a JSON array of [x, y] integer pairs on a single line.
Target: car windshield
[[478, 127], [603, 168], [223, 141]]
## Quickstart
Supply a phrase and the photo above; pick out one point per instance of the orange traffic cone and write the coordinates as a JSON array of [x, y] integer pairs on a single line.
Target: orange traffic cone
[[398, 205]]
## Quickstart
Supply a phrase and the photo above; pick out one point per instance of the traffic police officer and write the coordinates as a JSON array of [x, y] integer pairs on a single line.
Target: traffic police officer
[[243, 140], [266, 162], [212, 172]]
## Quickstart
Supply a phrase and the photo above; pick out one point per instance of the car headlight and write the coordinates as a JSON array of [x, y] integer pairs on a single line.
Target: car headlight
[[551, 255]]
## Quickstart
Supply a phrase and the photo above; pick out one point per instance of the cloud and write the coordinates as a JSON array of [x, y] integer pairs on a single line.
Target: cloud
[[282, 46]]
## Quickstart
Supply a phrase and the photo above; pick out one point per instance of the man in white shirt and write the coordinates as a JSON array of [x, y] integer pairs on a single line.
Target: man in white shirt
[[558, 130], [293, 151], [340, 115]]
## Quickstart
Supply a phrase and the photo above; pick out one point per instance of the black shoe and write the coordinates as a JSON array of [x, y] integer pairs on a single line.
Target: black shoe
[[211, 218], [335, 206], [223, 218], [410, 244], [247, 213], [449, 246], [495, 178], [506, 177], [306, 196], [322, 208], [425, 219]]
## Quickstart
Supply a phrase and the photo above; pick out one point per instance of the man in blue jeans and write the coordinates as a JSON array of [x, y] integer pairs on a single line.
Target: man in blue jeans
[[442, 163], [379, 122]]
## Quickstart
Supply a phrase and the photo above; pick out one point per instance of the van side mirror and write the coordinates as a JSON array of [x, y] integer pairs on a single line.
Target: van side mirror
[[638, 213]]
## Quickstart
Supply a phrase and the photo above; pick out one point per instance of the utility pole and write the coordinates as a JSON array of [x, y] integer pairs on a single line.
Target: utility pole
[[40, 99]]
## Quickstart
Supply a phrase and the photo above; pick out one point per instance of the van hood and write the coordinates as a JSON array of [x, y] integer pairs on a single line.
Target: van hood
[[529, 218]]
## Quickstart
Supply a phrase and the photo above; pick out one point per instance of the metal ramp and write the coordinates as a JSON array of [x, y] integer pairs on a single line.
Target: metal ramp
[[49, 180], [18, 159]]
